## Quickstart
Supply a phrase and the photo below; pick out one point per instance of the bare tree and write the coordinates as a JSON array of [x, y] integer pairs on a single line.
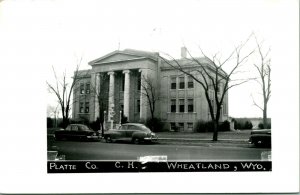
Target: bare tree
[[100, 93], [264, 80], [209, 74], [63, 91], [149, 91]]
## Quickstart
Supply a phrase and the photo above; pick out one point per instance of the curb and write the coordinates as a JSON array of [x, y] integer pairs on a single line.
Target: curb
[[191, 139], [233, 141]]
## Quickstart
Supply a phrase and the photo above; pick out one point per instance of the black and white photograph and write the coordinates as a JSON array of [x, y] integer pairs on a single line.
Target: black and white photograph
[[132, 96]]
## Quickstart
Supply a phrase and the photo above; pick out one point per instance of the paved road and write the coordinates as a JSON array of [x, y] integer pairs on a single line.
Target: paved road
[[75, 150]]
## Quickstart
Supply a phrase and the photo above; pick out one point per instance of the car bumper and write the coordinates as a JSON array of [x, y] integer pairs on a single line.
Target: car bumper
[[152, 139], [94, 137]]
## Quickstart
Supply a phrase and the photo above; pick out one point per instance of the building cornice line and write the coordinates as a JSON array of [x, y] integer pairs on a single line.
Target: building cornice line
[[118, 61]]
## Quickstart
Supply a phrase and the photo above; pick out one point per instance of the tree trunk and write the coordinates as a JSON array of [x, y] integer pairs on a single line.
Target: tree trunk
[[216, 128], [265, 119]]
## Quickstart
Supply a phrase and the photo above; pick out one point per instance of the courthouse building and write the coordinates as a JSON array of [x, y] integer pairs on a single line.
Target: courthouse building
[[119, 76]]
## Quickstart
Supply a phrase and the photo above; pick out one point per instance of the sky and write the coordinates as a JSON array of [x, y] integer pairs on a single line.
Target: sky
[[37, 35]]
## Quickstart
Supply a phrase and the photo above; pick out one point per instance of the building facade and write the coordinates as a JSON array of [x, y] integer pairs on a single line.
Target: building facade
[[120, 81]]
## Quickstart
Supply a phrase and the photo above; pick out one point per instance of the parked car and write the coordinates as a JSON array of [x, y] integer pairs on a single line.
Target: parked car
[[77, 131], [260, 137], [133, 132]]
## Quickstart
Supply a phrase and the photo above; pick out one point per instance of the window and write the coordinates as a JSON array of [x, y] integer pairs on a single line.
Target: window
[[181, 126], [81, 88], [138, 106], [172, 126], [218, 87], [190, 126], [225, 108], [87, 107], [190, 105], [181, 105], [132, 127], [173, 105], [74, 128], [173, 82], [190, 82], [81, 107], [139, 82], [181, 82], [87, 88]]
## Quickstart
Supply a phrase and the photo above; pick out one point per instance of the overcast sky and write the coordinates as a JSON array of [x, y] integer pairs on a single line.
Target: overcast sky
[[36, 35]]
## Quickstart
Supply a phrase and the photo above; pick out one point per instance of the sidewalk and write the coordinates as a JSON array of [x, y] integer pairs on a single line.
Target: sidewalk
[[229, 135], [231, 138]]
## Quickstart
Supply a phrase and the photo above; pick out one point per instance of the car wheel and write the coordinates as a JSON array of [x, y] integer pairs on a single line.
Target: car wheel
[[135, 140], [108, 139], [258, 143]]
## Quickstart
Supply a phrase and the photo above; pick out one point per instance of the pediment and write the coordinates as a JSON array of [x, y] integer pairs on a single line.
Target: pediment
[[118, 56]]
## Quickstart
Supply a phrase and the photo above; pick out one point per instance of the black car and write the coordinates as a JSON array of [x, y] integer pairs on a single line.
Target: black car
[[260, 137], [78, 132], [133, 132]]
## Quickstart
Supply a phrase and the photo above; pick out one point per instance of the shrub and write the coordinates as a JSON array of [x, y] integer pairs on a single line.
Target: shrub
[[261, 126], [225, 126], [155, 124], [248, 125], [242, 124], [95, 125], [204, 126]]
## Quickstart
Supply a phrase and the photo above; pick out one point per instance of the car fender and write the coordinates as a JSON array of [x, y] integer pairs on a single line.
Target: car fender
[[139, 135], [112, 134]]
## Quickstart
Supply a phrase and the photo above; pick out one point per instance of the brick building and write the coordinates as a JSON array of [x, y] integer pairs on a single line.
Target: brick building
[[118, 78]]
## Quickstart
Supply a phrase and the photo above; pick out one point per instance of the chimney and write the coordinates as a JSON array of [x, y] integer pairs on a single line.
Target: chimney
[[183, 52]]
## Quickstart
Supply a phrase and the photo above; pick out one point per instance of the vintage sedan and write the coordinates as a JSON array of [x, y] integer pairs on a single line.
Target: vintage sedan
[[260, 137], [133, 132], [77, 131]]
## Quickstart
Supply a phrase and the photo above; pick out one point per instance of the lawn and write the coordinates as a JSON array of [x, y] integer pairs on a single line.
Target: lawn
[[244, 134]]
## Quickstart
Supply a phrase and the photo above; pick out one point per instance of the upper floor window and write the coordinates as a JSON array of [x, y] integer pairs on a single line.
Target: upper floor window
[[81, 88], [173, 82], [87, 107], [190, 82], [87, 88], [81, 107], [181, 105], [181, 82], [190, 105], [173, 105]]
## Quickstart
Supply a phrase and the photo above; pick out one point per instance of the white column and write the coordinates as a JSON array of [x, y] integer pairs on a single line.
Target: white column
[[97, 92], [111, 95], [143, 98], [126, 93]]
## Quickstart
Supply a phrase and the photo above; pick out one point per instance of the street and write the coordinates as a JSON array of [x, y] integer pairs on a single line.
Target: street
[[75, 150]]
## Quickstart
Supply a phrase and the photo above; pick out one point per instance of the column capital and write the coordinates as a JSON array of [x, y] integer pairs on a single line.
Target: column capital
[[142, 70], [111, 73], [126, 71]]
